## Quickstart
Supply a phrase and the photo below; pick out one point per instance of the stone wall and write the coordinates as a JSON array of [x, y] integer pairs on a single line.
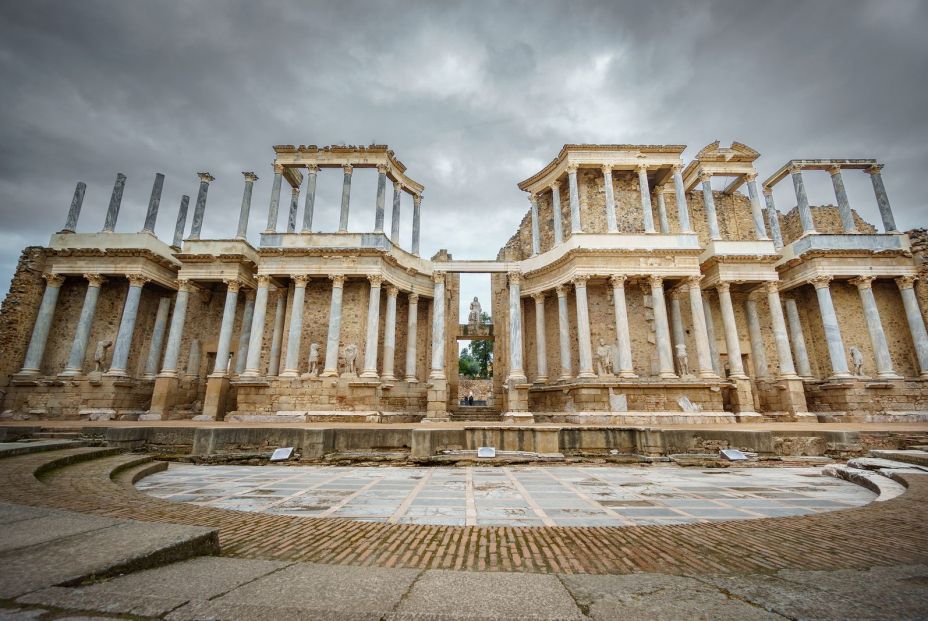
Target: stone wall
[[826, 218], [19, 310]]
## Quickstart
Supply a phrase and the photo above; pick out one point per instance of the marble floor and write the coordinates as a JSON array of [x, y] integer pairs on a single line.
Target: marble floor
[[510, 496]]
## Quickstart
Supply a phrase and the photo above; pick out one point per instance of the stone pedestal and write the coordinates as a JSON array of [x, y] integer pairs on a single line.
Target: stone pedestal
[[162, 397], [517, 397], [437, 401], [742, 398], [214, 403], [793, 397]]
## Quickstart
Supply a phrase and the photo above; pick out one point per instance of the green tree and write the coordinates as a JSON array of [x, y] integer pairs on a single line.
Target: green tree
[[467, 364]]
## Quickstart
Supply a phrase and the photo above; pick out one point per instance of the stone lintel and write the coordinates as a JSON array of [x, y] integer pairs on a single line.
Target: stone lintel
[[816, 164]]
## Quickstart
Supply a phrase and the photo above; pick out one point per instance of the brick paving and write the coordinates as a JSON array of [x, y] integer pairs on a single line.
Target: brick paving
[[881, 533]]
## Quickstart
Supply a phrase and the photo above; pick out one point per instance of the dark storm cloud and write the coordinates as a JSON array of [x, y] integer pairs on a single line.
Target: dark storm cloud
[[473, 97]]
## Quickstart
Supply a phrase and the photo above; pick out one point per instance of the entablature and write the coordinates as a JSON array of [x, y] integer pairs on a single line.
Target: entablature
[[293, 158], [817, 164], [845, 268], [736, 161]]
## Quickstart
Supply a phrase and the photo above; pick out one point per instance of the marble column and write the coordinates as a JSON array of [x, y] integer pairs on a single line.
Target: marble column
[[112, 212], [573, 196], [732, 341], [372, 341], [773, 217], [661, 328], [75, 364], [256, 333], [916, 322], [193, 360], [884, 362], [381, 198], [221, 366], [244, 332], [662, 211], [844, 206], [309, 204], [200, 208], [245, 210], [563, 321], [802, 201], [157, 338], [389, 335], [758, 354], [438, 327], [154, 201], [130, 311], [556, 212], [784, 355], [536, 234], [412, 337], [757, 211], [700, 330], [709, 203], [294, 207], [645, 193], [612, 221], [395, 216], [43, 324], [677, 332], [176, 330], [346, 199], [277, 335], [181, 222], [584, 337], [70, 225], [833, 338], [623, 335], [516, 366], [416, 209], [800, 353], [274, 205], [882, 201], [710, 334], [683, 211], [335, 326], [541, 349], [295, 334]]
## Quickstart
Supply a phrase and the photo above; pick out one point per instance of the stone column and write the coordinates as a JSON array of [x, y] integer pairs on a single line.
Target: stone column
[[645, 193], [193, 360], [801, 354], [916, 322], [292, 362], [541, 349], [154, 201], [573, 195], [623, 337], [112, 212], [221, 367], [181, 222], [774, 219], [709, 203], [757, 211], [710, 334], [244, 332], [70, 225], [166, 382], [245, 210], [176, 331], [758, 354], [677, 333], [564, 333], [294, 207], [556, 212], [516, 368], [75, 365], [311, 171], [256, 333], [43, 324], [805, 213], [395, 216], [389, 335], [273, 365], [832, 329], [200, 208], [584, 338], [372, 342], [346, 199], [700, 330], [381, 198], [274, 206], [884, 362], [416, 209], [661, 327], [611, 220], [438, 327], [536, 234], [157, 338], [130, 311], [412, 330], [683, 211], [335, 326], [732, 342], [784, 355], [662, 211], [882, 201], [844, 206]]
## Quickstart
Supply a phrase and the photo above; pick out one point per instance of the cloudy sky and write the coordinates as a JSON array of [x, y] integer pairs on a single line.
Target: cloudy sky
[[472, 96]]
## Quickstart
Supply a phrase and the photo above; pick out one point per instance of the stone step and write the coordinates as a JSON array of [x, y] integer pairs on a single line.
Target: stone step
[[877, 482], [917, 457], [69, 435], [28, 447]]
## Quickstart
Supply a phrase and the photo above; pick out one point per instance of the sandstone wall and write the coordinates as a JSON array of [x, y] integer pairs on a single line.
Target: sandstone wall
[[19, 310], [826, 218]]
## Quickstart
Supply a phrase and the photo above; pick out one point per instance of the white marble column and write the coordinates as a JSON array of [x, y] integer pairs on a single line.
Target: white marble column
[[75, 365], [732, 341], [245, 209], [556, 212], [784, 355], [661, 328], [882, 201], [256, 334], [884, 361], [309, 203], [683, 211], [295, 334], [130, 311], [700, 329], [626, 367], [833, 338], [277, 337], [395, 216], [536, 234], [709, 204], [389, 335], [416, 214], [758, 355], [180, 223], [176, 331], [380, 202], [710, 334], [757, 211], [541, 348], [677, 332], [221, 367], [773, 218], [294, 207], [372, 340], [346, 198], [70, 225], [199, 209], [798, 340], [516, 365], [157, 338], [154, 202], [645, 193], [844, 206], [573, 196], [112, 212], [335, 326], [274, 206], [662, 211], [438, 327], [412, 336], [611, 221], [193, 360], [564, 333], [802, 201], [244, 332], [916, 322], [584, 337]]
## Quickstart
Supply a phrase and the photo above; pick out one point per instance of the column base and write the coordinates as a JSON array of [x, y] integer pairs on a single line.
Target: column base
[[437, 375], [841, 377], [325, 373], [294, 373], [565, 378], [518, 418], [368, 374], [116, 373], [628, 375], [542, 379], [708, 375], [250, 373], [70, 373], [388, 378], [586, 375], [518, 379], [889, 376], [668, 375], [412, 379]]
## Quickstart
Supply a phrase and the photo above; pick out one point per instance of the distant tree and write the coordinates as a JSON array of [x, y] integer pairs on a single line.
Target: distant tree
[[467, 364]]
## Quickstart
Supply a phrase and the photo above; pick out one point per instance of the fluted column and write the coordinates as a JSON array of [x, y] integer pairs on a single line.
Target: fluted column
[[181, 222], [915, 320], [758, 355], [245, 210], [645, 193], [389, 335], [882, 201], [732, 342], [224, 345], [294, 207], [412, 338], [661, 327], [346, 199], [416, 212], [662, 211], [244, 332], [70, 225], [75, 363], [176, 331], [784, 355], [709, 203], [395, 216], [295, 334], [611, 220], [700, 330], [622, 332], [130, 312], [774, 219], [309, 202], [802, 201], [43, 324], [256, 335], [112, 212], [800, 353], [277, 336], [557, 224], [381, 198], [154, 202], [274, 205], [584, 338], [563, 325], [536, 235], [884, 362], [373, 328], [541, 349], [157, 338], [335, 326], [438, 327], [757, 211], [710, 333], [516, 367], [832, 330], [573, 195], [199, 209], [683, 211], [844, 206]]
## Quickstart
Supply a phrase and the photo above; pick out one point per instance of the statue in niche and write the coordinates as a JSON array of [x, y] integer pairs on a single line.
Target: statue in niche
[[99, 355], [351, 359], [473, 318], [682, 360], [857, 359], [313, 359], [604, 359]]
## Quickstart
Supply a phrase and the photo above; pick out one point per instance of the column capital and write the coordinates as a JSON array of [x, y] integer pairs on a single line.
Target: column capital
[[312, 169], [555, 186], [295, 190], [751, 176], [572, 169], [767, 190], [264, 280], [618, 281], [205, 176], [278, 169], [184, 284], [413, 298], [299, 280], [821, 281], [723, 287], [677, 168], [874, 169], [382, 169], [580, 280], [250, 176], [338, 280], [694, 281], [539, 297], [641, 167], [532, 198], [607, 169], [561, 291], [417, 199], [515, 278], [704, 176], [655, 281], [906, 282], [233, 284], [397, 187], [392, 291], [137, 280], [95, 280], [53, 280], [438, 277], [833, 170], [347, 168], [772, 286], [863, 282], [375, 279]]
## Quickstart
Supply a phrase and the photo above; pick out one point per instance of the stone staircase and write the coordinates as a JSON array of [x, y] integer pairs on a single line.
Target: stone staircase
[[880, 470], [475, 413]]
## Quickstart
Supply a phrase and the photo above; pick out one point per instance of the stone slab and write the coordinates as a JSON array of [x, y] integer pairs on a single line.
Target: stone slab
[[54, 525], [11, 449], [15, 513]]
